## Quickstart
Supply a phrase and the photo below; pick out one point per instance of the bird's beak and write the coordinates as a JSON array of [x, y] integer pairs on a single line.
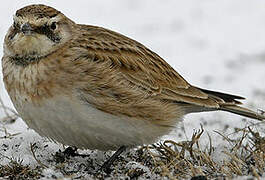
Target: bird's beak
[[26, 29]]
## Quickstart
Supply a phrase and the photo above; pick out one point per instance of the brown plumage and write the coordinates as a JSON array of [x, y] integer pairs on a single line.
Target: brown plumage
[[102, 88]]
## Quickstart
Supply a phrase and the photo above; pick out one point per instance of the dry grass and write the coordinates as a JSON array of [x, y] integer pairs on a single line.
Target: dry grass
[[186, 159], [245, 155], [15, 171]]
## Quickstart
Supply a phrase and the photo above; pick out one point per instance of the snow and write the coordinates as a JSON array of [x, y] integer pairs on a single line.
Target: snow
[[214, 44]]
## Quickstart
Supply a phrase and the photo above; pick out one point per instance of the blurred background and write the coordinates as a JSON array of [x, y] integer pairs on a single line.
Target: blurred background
[[214, 44]]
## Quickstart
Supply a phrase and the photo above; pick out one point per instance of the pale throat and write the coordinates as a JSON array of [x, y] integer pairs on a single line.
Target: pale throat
[[27, 49]]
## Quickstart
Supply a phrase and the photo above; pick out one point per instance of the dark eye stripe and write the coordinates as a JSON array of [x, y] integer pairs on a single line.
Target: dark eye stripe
[[48, 32]]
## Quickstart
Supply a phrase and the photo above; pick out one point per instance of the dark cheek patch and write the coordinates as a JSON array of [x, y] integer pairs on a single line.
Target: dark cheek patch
[[49, 33]]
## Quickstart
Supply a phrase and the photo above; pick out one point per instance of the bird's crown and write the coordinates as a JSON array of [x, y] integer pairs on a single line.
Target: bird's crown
[[39, 10]]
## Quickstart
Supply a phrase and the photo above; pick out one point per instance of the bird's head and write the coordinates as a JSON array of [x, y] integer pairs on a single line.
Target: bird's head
[[37, 31]]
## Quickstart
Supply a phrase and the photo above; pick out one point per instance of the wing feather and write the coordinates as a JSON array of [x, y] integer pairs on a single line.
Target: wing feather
[[140, 66]]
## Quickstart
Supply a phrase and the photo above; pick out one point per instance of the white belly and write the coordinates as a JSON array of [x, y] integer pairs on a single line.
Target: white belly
[[75, 124]]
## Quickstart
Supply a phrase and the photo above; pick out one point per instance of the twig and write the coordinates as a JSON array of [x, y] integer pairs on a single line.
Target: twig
[[34, 156]]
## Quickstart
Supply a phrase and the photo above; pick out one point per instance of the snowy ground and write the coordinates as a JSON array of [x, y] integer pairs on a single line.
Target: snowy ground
[[214, 44]]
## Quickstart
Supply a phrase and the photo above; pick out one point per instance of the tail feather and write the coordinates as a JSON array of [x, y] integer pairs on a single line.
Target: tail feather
[[226, 98], [229, 103], [242, 111]]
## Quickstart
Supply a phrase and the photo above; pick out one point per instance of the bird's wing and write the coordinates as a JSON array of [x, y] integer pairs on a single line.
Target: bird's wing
[[139, 66]]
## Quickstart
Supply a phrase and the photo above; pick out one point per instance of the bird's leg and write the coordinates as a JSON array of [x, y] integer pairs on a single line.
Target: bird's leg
[[106, 166]]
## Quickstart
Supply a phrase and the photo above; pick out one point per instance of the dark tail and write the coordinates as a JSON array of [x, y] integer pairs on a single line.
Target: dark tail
[[228, 102]]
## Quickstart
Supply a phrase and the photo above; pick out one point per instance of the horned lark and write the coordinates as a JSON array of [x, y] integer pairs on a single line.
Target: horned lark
[[90, 87]]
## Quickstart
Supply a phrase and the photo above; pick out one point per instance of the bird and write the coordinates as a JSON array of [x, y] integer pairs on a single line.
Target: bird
[[93, 88]]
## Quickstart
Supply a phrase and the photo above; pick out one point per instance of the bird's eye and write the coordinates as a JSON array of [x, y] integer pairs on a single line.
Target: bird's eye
[[53, 26]]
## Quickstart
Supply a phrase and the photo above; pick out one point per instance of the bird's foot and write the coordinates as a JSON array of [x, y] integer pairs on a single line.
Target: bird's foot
[[106, 166]]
